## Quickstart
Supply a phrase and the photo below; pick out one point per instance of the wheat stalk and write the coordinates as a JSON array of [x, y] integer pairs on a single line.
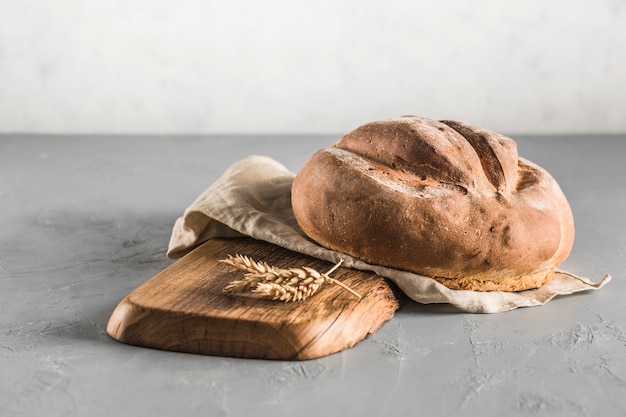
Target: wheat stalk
[[290, 284]]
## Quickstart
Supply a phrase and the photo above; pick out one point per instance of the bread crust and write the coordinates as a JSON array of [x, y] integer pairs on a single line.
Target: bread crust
[[439, 198]]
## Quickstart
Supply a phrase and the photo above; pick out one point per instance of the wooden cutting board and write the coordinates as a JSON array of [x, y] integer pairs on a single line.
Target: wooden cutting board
[[184, 309]]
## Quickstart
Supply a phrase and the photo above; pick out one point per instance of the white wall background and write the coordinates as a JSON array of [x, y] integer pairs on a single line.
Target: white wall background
[[208, 66]]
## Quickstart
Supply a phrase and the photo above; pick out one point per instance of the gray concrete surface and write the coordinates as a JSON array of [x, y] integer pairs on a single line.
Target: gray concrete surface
[[85, 220]]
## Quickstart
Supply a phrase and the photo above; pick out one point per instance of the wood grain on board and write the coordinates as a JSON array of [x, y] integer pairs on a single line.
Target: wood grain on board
[[184, 309]]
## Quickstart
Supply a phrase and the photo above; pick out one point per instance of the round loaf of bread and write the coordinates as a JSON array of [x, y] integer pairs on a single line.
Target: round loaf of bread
[[442, 199]]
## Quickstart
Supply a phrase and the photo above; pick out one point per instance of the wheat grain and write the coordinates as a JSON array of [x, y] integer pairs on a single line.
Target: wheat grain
[[283, 284]]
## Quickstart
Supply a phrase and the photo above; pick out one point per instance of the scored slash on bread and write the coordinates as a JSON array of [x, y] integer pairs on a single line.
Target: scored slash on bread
[[439, 198]]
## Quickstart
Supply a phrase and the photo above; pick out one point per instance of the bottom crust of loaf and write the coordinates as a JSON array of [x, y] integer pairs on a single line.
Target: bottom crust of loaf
[[490, 283]]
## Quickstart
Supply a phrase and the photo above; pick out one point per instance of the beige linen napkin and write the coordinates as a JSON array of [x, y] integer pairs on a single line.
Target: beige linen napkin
[[253, 198]]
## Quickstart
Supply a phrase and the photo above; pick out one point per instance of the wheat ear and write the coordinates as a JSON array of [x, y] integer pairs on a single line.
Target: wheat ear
[[290, 284]]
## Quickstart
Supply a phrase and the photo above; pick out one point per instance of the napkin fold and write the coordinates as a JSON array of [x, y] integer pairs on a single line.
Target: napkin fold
[[253, 198]]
